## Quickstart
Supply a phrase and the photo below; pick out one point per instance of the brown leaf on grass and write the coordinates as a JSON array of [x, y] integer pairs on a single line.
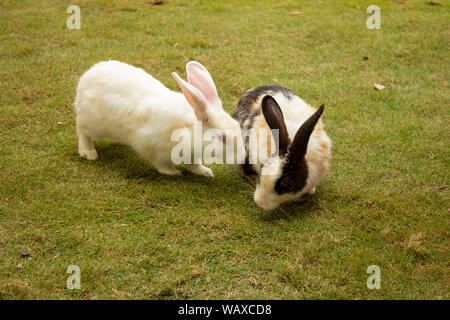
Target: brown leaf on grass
[[24, 253], [296, 13], [399, 2], [416, 245], [415, 241], [157, 2], [379, 86], [433, 3], [385, 235]]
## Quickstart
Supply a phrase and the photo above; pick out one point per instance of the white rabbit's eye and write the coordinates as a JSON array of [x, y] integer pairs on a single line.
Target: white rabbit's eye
[[222, 138]]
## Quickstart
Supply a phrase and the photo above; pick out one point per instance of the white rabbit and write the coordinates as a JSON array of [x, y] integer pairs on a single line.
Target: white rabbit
[[302, 152], [118, 101]]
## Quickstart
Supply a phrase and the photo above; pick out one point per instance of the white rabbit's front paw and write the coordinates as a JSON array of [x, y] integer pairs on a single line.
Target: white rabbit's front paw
[[90, 154], [200, 170]]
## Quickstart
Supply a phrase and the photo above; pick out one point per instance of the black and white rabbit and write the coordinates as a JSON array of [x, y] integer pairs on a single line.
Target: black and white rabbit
[[302, 152]]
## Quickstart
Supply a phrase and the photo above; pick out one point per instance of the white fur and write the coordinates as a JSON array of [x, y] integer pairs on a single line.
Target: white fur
[[128, 105]]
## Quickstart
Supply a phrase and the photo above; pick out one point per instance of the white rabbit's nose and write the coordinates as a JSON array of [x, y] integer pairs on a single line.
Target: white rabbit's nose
[[241, 148], [241, 158]]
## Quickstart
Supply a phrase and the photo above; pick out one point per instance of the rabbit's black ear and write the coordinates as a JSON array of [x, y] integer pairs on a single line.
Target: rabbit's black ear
[[274, 118], [301, 139]]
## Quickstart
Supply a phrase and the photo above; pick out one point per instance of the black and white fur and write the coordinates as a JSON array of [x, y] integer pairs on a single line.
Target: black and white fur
[[301, 155]]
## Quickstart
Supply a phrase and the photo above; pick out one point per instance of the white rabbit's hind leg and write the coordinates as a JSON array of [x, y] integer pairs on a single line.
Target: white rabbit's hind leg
[[86, 147], [166, 168]]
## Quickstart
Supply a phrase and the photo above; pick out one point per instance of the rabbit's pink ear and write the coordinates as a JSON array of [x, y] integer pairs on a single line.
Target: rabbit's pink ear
[[200, 78], [194, 97]]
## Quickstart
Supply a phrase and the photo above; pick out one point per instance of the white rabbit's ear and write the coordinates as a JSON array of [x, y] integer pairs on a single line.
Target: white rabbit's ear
[[195, 98], [200, 78]]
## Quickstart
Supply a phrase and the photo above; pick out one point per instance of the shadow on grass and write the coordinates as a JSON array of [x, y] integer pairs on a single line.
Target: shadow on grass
[[292, 210], [286, 211], [121, 158]]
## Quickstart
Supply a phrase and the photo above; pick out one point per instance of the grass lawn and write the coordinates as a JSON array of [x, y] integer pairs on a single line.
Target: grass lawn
[[137, 234]]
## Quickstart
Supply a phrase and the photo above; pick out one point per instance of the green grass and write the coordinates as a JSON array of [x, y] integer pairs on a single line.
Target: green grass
[[136, 234]]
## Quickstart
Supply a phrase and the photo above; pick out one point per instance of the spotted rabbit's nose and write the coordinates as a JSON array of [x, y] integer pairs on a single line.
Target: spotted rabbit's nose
[[264, 204]]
